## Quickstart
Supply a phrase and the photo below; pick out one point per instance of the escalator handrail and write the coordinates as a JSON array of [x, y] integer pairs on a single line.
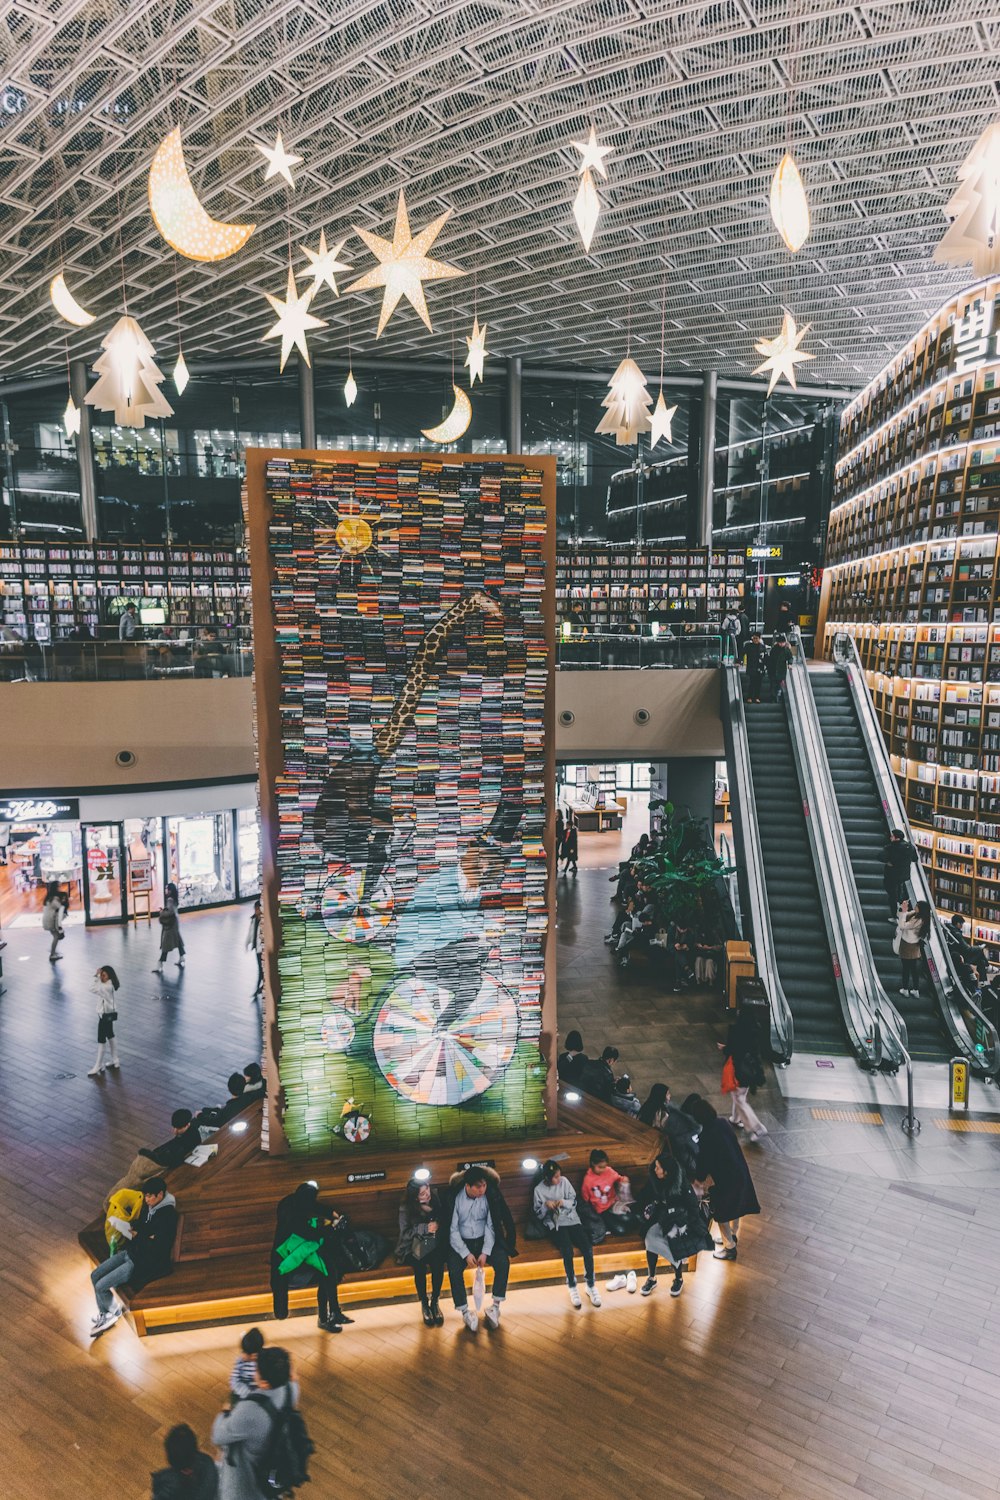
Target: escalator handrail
[[743, 807], [864, 1002], [954, 1000]]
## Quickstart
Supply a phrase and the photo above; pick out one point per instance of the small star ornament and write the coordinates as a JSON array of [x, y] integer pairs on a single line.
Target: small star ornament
[[782, 354], [294, 321], [477, 352], [279, 161], [592, 154], [661, 422], [404, 265], [323, 265]]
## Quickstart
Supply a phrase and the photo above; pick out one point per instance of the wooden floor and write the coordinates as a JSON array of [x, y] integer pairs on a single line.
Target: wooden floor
[[852, 1350]]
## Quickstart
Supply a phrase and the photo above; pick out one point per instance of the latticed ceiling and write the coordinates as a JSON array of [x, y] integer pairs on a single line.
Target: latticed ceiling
[[472, 105]]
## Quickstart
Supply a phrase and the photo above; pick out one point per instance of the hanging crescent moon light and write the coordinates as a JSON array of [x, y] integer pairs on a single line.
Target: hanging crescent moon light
[[66, 304], [178, 214], [455, 423]]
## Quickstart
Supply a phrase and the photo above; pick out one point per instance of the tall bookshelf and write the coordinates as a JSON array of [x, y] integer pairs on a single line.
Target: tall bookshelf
[[610, 588], [913, 573], [46, 589]]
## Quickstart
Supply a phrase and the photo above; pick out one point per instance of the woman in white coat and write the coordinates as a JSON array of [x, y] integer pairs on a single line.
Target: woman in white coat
[[105, 988]]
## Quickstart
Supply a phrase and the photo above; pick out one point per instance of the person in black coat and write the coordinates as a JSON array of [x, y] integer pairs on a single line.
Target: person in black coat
[[190, 1474], [674, 1224], [302, 1218], [477, 1229], [778, 661], [147, 1256], [597, 1077], [743, 1045], [571, 1063], [680, 1130], [898, 857], [569, 852], [722, 1172], [421, 1214], [755, 656]]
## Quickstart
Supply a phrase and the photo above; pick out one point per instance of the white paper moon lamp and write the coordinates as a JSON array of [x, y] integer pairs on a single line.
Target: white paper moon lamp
[[789, 205], [66, 304], [455, 423], [178, 214]]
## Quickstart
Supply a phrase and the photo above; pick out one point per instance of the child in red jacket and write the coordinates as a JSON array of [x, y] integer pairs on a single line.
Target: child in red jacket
[[601, 1188]]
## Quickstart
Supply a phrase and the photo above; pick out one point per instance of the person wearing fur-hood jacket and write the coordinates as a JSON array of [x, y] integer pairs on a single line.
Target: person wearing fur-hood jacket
[[477, 1230]]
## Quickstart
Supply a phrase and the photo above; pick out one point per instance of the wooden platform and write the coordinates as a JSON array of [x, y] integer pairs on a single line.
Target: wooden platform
[[227, 1214]]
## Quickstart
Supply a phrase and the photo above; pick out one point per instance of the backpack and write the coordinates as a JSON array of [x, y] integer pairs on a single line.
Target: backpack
[[284, 1464]]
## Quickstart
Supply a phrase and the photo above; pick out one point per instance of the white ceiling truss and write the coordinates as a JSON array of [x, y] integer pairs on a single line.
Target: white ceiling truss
[[472, 105]]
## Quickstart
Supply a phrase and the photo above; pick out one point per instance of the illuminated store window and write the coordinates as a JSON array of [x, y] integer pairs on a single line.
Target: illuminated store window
[[200, 858]]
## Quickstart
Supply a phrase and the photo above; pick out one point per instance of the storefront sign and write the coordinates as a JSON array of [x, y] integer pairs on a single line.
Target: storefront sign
[[40, 810], [766, 554], [140, 874]]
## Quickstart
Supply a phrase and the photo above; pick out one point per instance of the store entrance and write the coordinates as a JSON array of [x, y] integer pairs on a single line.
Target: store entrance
[[104, 887], [32, 855]]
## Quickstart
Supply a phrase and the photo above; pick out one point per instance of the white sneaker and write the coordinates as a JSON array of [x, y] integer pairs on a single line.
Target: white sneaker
[[93, 1072], [594, 1295], [574, 1296], [470, 1318], [492, 1315], [108, 1321], [632, 1281], [618, 1282], [759, 1135]]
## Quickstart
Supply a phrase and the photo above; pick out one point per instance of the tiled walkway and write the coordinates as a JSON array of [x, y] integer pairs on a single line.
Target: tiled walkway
[[852, 1351]]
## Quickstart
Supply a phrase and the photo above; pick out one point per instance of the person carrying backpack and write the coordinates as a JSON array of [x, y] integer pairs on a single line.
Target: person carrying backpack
[[266, 1446]]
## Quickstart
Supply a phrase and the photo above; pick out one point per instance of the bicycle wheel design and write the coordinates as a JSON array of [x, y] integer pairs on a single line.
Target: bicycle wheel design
[[431, 1055], [337, 1031], [350, 913]]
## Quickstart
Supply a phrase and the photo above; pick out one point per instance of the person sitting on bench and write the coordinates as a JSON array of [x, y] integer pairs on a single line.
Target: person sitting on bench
[[221, 1114], [571, 1063], [150, 1160], [597, 1076], [478, 1228], [305, 1249], [638, 929], [147, 1256]]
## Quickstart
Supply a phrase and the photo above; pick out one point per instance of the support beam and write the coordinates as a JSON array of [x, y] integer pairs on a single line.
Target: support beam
[[307, 405], [514, 404], [706, 476], [84, 451]]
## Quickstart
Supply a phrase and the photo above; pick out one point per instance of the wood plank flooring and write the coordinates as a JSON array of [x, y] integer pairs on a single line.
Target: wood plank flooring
[[852, 1350]]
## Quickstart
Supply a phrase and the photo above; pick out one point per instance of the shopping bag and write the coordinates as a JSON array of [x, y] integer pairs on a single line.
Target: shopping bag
[[479, 1288], [729, 1080]]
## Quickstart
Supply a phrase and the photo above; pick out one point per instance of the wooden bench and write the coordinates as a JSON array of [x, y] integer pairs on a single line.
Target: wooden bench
[[227, 1214]]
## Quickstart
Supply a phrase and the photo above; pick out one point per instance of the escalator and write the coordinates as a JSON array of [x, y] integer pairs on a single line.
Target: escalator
[[801, 948], [863, 820]]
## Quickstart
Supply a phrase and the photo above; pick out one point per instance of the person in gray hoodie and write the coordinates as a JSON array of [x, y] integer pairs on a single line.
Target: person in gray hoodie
[[244, 1432], [147, 1257], [554, 1202]]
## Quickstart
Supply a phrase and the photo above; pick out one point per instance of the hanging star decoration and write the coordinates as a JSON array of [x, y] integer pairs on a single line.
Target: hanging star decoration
[[323, 265], [587, 205], [279, 161], [294, 320], [782, 354], [404, 265], [477, 352], [71, 419], [661, 421]]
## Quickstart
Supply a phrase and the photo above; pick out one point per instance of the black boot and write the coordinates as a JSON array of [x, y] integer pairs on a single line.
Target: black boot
[[437, 1316], [425, 1308]]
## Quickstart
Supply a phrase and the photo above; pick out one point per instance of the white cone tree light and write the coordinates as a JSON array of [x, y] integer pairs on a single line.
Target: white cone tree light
[[129, 380], [627, 404], [974, 210]]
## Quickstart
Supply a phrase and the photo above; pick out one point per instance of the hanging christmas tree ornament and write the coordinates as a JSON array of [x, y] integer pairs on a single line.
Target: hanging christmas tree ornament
[[404, 265], [323, 264], [72, 418], [455, 423], [350, 388], [477, 352], [661, 422], [294, 321], [66, 304], [782, 354], [974, 232], [181, 375], [626, 404], [279, 161], [129, 383], [179, 216], [789, 207]]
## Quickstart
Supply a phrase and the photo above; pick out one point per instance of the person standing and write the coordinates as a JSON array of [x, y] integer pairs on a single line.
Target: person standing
[[722, 1172], [105, 987], [681, 1131], [244, 1432], [421, 1214], [255, 942], [570, 845], [778, 660], [53, 912], [554, 1202], [675, 1228], [743, 622], [911, 933], [743, 1049], [190, 1474], [898, 858], [170, 929], [478, 1230], [128, 623], [754, 654]]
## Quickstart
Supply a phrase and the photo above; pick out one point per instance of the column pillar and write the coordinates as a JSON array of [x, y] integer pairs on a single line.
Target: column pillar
[[307, 405], [706, 476], [84, 450], [514, 404]]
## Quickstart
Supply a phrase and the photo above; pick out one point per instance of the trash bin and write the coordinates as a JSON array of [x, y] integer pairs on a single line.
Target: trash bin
[[752, 1001]]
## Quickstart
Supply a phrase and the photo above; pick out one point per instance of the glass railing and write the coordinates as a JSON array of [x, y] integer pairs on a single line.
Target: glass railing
[[641, 651], [229, 655]]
